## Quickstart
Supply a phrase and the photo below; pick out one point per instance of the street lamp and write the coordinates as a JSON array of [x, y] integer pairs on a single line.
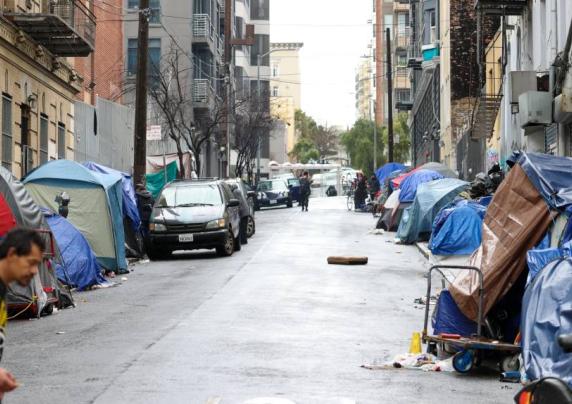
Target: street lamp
[[259, 148]]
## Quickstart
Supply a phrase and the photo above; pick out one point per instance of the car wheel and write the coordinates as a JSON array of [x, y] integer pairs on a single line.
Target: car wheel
[[227, 248], [289, 204], [250, 227], [157, 255]]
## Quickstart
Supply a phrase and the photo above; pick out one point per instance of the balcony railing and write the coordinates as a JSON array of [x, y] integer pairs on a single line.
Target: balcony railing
[[203, 27], [64, 27], [202, 93]]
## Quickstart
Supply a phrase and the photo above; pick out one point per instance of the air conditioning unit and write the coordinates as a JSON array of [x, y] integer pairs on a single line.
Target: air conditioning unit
[[521, 82], [535, 108]]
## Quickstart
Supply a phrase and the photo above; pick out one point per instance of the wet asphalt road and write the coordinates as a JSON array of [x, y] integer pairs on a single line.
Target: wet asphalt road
[[272, 321]]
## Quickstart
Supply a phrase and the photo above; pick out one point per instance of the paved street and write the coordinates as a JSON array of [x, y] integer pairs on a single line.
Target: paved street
[[272, 321]]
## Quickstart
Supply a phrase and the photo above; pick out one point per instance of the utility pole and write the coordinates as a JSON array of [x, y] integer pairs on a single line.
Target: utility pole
[[140, 138], [259, 107], [389, 98]]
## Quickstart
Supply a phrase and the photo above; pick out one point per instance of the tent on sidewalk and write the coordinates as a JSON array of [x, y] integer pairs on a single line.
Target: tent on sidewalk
[[17, 208], [411, 183], [131, 219], [79, 268], [440, 168], [385, 171], [518, 217], [457, 229], [392, 211], [95, 207], [431, 197]]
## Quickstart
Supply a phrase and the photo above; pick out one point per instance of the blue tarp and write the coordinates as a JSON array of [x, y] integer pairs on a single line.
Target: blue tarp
[[385, 171], [431, 197], [547, 314], [551, 176], [129, 201], [457, 230], [410, 184], [541, 256], [78, 260], [448, 319]]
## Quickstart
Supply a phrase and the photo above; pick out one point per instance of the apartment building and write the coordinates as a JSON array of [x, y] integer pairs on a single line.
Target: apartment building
[[364, 90], [285, 96], [38, 81]]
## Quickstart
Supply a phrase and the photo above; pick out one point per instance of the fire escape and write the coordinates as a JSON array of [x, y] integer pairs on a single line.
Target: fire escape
[[491, 54], [65, 27]]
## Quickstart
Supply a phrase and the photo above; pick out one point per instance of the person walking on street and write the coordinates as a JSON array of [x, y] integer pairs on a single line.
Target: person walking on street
[[305, 190], [21, 253], [145, 204]]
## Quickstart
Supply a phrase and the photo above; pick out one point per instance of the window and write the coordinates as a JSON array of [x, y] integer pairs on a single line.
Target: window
[[154, 5], [433, 29], [388, 23], [43, 138], [261, 47], [275, 91], [7, 132], [259, 10], [275, 71], [402, 23], [402, 59], [189, 196], [61, 141], [153, 61]]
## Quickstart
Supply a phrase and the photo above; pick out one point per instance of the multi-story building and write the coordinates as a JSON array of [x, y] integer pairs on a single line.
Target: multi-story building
[[38, 81], [285, 96], [103, 70], [364, 90], [383, 18]]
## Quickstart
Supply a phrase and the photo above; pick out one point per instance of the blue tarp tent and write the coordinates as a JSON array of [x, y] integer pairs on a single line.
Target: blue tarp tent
[[129, 200], [410, 184], [95, 208], [79, 267], [457, 230], [547, 314], [430, 198], [386, 170], [448, 319], [550, 176]]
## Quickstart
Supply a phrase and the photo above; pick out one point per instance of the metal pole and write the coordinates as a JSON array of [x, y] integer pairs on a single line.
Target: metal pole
[[140, 135], [165, 161], [374, 146], [228, 115], [259, 146], [389, 99]]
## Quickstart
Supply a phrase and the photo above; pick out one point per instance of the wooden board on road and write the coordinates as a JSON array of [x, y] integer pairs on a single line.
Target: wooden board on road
[[347, 260]]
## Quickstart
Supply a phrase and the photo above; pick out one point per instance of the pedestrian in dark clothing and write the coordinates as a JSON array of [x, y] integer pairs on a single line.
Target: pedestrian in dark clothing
[[145, 204], [21, 253], [373, 186], [244, 213], [305, 190], [361, 192]]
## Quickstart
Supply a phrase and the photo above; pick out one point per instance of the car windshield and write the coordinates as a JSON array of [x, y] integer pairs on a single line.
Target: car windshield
[[274, 185], [294, 182], [186, 196]]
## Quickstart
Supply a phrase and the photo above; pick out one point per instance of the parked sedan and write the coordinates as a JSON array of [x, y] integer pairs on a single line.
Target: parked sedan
[[272, 193], [246, 197]]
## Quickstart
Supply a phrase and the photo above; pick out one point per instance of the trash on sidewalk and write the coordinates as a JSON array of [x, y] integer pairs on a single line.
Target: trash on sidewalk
[[347, 260], [426, 362], [377, 232]]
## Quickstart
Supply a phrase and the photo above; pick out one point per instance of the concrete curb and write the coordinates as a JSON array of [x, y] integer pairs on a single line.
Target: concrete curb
[[424, 250]]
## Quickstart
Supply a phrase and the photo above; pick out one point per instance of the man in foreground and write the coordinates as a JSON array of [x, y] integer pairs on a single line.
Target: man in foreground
[[21, 253]]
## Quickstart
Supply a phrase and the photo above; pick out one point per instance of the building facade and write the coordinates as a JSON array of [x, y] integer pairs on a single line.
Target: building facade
[[364, 90], [285, 95], [38, 81]]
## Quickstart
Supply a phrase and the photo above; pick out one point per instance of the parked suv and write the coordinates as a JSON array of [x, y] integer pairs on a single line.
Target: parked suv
[[194, 214]]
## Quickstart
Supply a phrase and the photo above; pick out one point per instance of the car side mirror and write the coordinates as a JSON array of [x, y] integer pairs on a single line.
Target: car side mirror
[[233, 203], [251, 194]]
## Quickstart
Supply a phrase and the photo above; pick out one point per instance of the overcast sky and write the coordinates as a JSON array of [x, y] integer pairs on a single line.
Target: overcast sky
[[335, 34]]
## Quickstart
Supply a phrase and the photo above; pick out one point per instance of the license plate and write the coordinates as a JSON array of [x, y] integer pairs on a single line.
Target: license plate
[[186, 238], [273, 201]]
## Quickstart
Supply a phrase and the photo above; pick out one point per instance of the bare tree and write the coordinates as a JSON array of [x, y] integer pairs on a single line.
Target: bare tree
[[326, 140]]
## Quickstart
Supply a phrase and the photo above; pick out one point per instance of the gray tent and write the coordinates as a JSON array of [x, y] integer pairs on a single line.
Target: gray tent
[[440, 168], [44, 290]]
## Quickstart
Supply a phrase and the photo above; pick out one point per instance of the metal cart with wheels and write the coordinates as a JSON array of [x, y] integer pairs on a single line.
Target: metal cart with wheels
[[470, 349]]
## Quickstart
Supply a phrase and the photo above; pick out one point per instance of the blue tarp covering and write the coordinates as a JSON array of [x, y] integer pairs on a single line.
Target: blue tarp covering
[[410, 184], [547, 314], [457, 230], [448, 319], [431, 197], [551, 176], [129, 200], [385, 171], [541, 256], [81, 268]]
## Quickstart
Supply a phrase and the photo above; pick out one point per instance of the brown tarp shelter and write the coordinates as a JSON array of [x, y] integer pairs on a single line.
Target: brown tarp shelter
[[516, 220]]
